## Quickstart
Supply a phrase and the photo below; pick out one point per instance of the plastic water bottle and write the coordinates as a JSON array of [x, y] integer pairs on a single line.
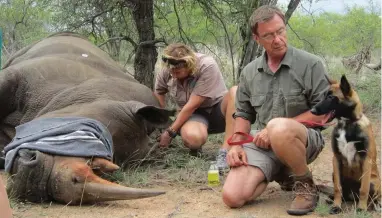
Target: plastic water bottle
[[213, 175]]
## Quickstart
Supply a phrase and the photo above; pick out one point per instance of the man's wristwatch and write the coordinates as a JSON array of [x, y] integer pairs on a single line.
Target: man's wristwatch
[[172, 133]]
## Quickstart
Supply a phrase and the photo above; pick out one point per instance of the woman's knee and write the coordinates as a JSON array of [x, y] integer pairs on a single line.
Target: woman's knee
[[194, 138], [232, 91], [228, 103]]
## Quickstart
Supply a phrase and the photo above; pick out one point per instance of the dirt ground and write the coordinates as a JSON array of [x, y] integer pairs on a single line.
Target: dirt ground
[[191, 202]]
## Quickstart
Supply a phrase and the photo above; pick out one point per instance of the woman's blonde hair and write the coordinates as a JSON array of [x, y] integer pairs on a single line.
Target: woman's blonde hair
[[180, 51]]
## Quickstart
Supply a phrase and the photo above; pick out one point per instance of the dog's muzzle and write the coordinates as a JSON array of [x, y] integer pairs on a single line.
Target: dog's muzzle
[[325, 106]]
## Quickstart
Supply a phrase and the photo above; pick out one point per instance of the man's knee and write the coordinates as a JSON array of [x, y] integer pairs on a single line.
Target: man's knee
[[285, 129], [278, 127], [241, 185], [194, 138], [232, 199]]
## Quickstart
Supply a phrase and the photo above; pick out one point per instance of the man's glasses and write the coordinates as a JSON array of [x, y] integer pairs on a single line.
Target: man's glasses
[[174, 63], [272, 36]]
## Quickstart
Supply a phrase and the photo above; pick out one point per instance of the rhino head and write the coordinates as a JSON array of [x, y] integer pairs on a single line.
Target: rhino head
[[40, 177]]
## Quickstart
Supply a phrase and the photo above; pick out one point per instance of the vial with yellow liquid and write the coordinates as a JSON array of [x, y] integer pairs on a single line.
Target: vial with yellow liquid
[[213, 175]]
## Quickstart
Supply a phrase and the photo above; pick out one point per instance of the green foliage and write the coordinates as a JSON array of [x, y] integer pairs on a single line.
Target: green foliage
[[367, 84], [191, 23], [23, 22], [336, 34], [369, 91]]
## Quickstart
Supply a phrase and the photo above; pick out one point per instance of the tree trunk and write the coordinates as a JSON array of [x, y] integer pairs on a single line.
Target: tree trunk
[[291, 8], [250, 49], [146, 54]]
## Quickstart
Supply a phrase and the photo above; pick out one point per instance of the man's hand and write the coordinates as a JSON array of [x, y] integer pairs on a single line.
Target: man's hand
[[237, 157], [165, 139], [261, 139]]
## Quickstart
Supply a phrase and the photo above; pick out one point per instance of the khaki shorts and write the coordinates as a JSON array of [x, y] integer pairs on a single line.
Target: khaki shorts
[[267, 161]]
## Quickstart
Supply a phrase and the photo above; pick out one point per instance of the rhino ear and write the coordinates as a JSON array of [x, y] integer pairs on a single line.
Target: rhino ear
[[156, 116]]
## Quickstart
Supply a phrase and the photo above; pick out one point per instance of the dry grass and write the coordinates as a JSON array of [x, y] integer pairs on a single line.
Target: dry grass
[[168, 166]]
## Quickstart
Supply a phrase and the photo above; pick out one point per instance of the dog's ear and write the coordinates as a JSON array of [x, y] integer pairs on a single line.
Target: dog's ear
[[345, 86]]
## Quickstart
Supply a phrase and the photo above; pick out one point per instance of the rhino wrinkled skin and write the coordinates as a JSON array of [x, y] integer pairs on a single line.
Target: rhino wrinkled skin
[[66, 75]]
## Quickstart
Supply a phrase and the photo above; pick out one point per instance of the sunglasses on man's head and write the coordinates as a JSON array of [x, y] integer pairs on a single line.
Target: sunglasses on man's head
[[174, 62]]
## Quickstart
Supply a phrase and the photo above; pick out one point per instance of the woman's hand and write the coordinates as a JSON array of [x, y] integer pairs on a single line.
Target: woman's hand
[[165, 139]]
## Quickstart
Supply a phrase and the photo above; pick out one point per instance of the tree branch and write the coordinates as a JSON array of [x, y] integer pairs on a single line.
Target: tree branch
[[153, 42], [301, 38], [164, 17], [181, 31], [91, 19], [120, 38], [209, 9]]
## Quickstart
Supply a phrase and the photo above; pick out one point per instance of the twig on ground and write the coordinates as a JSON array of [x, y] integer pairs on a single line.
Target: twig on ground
[[177, 208]]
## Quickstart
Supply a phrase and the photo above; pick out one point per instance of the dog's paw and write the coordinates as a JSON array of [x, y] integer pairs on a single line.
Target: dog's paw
[[335, 210], [360, 210], [377, 207], [329, 201]]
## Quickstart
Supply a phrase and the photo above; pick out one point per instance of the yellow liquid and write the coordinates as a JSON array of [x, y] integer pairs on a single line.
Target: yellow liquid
[[213, 178]]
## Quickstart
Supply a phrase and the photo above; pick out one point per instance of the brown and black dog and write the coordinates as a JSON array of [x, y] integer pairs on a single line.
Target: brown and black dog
[[355, 171]]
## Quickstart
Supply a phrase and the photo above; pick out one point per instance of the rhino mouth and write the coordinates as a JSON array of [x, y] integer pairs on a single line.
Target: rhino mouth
[[30, 176]]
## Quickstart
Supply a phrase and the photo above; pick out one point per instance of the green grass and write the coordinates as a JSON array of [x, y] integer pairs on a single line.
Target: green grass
[[322, 208], [170, 166], [349, 210]]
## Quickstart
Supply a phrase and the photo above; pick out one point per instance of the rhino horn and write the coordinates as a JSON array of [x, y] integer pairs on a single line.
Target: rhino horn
[[99, 189], [82, 177], [112, 192]]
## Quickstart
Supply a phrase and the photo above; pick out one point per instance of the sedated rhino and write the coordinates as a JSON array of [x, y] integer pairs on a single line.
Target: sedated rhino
[[65, 77]]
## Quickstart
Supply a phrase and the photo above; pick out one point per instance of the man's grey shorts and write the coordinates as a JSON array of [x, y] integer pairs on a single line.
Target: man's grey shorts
[[214, 120], [267, 161]]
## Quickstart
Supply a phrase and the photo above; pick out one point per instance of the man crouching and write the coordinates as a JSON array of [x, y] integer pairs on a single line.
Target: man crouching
[[276, 92]]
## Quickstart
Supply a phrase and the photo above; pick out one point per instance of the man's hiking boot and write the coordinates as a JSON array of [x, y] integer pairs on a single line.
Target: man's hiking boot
[[306, 195], [287, 185]]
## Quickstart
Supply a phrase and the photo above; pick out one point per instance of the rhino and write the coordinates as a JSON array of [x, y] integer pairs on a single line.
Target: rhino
[[61, 77]]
